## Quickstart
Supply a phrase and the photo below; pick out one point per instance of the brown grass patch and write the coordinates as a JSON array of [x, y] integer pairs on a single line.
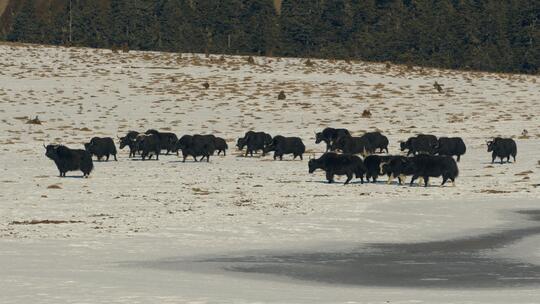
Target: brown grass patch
[[199, 191], [366, 114], [493, 191]]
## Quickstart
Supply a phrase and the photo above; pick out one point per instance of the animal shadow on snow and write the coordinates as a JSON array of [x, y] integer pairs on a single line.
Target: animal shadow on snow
[[73, 176], [140, 160]]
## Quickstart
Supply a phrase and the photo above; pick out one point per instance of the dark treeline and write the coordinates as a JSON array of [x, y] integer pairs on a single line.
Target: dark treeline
[[490, 35]]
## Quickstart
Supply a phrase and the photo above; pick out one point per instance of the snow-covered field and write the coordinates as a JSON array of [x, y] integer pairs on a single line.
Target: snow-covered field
[[131, 216]]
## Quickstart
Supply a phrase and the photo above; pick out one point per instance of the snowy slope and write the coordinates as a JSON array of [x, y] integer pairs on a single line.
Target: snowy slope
[[143, 211]]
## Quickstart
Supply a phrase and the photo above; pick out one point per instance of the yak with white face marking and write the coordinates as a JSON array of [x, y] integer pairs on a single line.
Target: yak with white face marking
[[373, 165], [400, 167]]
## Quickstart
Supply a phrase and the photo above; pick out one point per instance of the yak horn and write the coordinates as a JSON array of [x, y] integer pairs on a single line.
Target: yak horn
[[44, 146]]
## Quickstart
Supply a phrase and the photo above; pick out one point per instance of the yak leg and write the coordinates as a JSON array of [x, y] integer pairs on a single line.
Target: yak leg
[[329, 177], [426, 181], [390, 179], [413, 178], [349, 177], [401, 178], [444, 180]]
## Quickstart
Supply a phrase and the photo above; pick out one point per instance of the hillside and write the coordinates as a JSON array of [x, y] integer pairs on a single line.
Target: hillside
[[115, 230], [488, 35]]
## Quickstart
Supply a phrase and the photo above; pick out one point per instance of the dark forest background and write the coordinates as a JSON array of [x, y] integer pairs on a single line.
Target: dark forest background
[[492, 35]]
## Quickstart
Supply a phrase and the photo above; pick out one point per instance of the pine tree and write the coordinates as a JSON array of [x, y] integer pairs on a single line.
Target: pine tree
[[219, 22], [335, 28], [362, 40], [178, 33], [258, 32], [26, 26], [299, 22], [90, 24]]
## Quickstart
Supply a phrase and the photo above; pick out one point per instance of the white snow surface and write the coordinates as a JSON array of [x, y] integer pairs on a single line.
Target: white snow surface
[[133, 211]]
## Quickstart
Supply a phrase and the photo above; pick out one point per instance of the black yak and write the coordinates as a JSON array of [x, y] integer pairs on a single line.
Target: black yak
[[353, 145], [253, 141], [400, 167], [130, 140], [149, 145], [373, 166], [450, 146], [167, 140], [422, 143], [339, 164], [100, 147], [427, 166], [221, 145], [197, 145], [377, 141], [330, 136], [67, 159], [286, 145], [502, 148]]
